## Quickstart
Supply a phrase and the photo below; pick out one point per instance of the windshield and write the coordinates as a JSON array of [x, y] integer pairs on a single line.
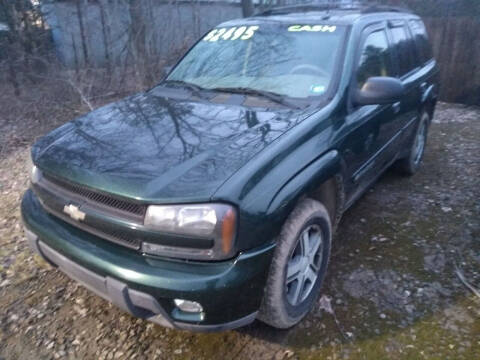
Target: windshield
[[292, 60]]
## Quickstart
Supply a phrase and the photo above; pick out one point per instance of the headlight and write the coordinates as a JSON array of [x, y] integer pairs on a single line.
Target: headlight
[[213, 221]]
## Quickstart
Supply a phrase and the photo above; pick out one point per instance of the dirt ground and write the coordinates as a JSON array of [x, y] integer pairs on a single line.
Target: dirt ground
[[398, 287]]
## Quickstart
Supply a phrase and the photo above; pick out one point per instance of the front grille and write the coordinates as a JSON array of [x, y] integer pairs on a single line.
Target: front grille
[[99, 198], [55, 193], [113, 235], [54, 204]]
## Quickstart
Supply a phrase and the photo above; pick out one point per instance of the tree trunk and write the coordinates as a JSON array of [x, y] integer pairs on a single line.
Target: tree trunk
[[82, 32], [11, 16], [106, 37], [138, 32], [247, 8]]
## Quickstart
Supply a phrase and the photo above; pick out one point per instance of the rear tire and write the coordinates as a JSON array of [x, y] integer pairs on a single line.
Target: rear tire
[[411, 163], [298, 266]]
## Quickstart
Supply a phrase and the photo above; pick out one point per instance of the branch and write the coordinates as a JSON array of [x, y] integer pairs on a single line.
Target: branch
[[81, 93], [465, 282]]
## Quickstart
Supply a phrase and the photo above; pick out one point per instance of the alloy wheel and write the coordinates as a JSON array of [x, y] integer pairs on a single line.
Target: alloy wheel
[[304, 264], [420, 143]]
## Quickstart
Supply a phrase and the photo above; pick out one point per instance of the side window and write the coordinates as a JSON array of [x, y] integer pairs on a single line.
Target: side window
[[421, 40], [404, 50], [374, 58]]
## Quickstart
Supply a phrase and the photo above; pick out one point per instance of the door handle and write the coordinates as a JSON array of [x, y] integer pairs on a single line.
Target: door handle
[[396, 107]]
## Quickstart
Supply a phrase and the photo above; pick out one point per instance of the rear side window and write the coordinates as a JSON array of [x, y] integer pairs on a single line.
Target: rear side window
[[421, 40], [374, 58], [404, 50]]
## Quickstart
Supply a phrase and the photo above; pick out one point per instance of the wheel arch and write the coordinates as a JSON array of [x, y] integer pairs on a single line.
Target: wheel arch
[[322, 180], [331, 194]]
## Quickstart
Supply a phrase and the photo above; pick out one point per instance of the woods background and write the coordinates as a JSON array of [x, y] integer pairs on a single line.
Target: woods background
[[91, 49]]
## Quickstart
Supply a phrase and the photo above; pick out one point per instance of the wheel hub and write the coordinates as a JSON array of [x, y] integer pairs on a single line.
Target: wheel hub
[[304, 264]]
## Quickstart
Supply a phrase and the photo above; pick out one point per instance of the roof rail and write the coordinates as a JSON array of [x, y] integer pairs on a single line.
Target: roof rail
[[373, 8], [365, 7], [305, 8]]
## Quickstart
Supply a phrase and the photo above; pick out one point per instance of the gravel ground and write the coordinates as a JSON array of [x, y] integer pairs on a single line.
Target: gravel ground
[[394, 288]]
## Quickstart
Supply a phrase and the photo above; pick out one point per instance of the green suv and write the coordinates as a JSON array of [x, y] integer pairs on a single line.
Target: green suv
[[211, 199]]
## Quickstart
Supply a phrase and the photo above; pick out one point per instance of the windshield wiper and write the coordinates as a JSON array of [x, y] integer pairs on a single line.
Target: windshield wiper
[[194, 88], [277, 98]]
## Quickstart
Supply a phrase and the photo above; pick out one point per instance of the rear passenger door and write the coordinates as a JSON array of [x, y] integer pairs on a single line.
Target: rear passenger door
[[427, 75], [407, 69]]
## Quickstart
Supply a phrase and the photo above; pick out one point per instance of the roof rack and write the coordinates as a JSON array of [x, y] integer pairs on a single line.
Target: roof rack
[[365, 8], [305, 8], [373, 8]]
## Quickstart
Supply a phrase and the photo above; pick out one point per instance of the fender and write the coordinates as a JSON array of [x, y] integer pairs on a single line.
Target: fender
[[311, 177]]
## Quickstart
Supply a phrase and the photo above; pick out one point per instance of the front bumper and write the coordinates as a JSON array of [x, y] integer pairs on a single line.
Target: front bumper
[[230, 292]]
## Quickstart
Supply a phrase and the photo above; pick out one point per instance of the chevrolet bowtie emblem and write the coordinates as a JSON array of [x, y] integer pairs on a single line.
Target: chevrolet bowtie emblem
[[74, 212]]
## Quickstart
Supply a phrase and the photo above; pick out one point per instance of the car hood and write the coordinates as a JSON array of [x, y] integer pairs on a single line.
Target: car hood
[[157, 149]]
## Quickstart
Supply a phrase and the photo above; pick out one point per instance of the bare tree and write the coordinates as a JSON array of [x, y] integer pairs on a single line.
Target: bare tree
[[124, 44]]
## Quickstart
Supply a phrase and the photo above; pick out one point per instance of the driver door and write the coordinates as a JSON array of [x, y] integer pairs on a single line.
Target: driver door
[[367, 142]]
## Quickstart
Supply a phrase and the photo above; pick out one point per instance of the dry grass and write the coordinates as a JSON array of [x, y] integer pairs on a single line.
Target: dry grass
[[56, 96]]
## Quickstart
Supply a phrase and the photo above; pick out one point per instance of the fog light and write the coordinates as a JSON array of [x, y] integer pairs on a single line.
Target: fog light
[[188, 306], [34, 175]]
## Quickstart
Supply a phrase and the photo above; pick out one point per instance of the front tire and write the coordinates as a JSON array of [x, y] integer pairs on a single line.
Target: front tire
[[299, 265]]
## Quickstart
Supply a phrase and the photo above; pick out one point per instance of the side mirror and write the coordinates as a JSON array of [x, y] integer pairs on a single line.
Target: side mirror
[[379, 91]]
